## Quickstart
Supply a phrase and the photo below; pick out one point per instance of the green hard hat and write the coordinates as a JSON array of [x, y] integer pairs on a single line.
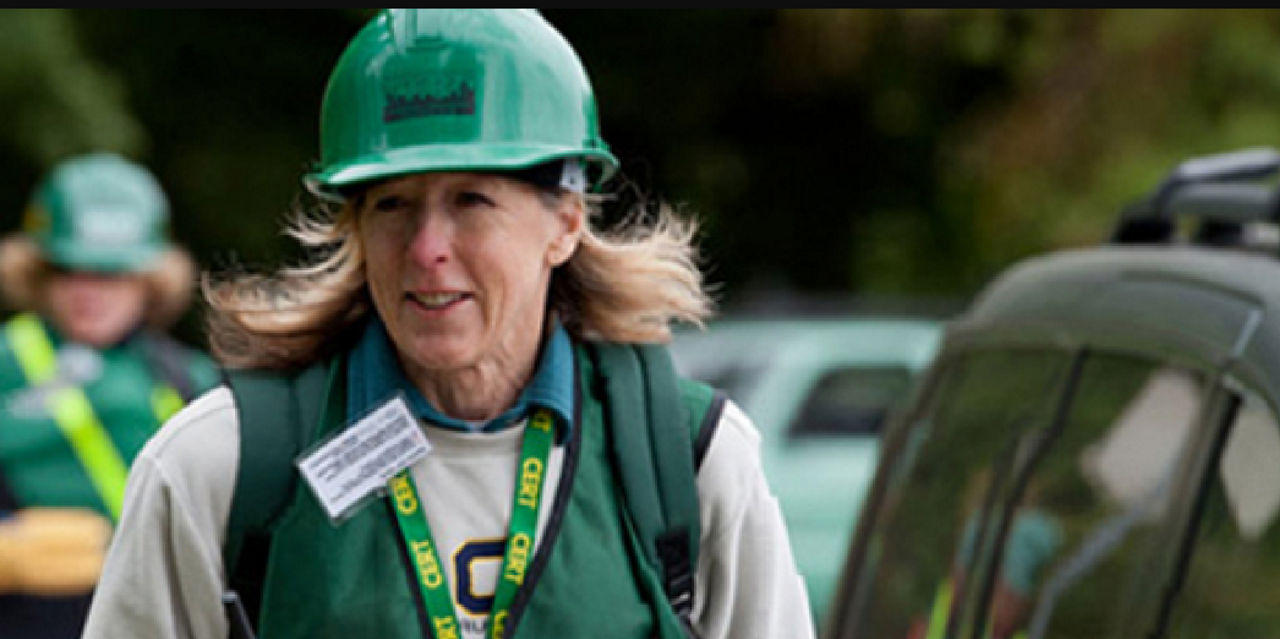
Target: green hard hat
[[99, 212], [456, 89]]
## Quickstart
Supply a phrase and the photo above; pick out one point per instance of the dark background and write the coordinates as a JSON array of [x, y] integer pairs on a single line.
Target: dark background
[[899, 156]]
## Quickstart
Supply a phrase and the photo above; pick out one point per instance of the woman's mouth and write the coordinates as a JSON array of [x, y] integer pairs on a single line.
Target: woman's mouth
[[436, 301]]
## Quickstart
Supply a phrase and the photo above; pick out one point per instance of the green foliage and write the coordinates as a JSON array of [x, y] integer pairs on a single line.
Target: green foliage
[[58, 98], [904, 151]]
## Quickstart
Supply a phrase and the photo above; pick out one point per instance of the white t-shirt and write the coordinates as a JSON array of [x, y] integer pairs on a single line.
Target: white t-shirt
[[164, 577]]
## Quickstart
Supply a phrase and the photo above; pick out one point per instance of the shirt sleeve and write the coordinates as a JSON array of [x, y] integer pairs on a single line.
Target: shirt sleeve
[[747, 584], [163, 576]]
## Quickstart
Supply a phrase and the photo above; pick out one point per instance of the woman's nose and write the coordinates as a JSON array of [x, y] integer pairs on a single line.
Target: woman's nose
[[432, 240]]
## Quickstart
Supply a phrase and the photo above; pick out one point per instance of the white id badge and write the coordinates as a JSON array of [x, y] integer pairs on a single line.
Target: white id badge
[[355, 463]]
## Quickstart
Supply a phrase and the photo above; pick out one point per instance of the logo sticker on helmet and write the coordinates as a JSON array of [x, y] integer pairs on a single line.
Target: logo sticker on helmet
[[101, 225], [400, 107], [414, 89]]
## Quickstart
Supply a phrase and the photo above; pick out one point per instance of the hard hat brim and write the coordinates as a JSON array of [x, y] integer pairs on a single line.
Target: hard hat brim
[[460, 157]]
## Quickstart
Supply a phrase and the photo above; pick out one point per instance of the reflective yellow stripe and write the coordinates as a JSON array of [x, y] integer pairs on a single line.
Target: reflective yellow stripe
[[71, 411], [32, 348], [74, 415], [165, 401]]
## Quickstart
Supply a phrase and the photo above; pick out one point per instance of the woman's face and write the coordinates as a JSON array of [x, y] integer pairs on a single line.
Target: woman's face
[[95, 308], [459, 264]]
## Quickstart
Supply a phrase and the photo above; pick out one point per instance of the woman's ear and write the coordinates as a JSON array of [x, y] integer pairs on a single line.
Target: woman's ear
[[570, 217]]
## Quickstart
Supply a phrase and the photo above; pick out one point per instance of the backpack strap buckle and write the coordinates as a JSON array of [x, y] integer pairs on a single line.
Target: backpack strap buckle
[[677, 573]]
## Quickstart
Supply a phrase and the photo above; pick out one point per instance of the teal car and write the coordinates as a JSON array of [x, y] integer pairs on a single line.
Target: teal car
[[819, 390]]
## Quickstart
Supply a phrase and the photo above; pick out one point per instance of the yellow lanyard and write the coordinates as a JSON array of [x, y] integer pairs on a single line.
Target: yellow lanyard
[[534, 453]]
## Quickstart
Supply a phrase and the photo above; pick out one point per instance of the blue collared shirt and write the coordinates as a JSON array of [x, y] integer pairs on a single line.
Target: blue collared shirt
[[374, 375]]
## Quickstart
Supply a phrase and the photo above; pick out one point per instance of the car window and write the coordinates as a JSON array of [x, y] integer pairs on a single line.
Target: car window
[[1108, 485], [851, 401], [955, 445], [1234, 573], [1031, 517]]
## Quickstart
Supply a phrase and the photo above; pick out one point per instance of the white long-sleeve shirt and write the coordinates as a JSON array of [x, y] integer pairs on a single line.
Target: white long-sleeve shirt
[[164, 577]]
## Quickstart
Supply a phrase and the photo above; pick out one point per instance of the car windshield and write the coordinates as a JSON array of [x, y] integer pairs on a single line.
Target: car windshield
[[1031, 486], [852, 401]]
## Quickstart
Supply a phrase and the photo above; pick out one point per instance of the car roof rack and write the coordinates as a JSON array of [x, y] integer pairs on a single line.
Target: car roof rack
[[1222, 192]]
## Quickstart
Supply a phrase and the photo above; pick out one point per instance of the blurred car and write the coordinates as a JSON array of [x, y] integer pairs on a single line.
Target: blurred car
[[1095, 451], [819, 389]]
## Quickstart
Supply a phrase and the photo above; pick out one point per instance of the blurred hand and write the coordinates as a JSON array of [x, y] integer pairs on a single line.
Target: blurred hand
[[52, 551]]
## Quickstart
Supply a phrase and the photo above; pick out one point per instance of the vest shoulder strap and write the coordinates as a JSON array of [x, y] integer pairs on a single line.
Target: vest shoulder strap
[[277, 410], [658, 425]]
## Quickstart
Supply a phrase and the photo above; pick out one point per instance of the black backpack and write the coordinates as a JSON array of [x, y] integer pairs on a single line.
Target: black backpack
[[656, 447]]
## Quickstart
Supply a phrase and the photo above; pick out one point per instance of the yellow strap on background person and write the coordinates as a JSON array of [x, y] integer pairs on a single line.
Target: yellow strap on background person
[[71, 411], [165, 401], [941, 613]]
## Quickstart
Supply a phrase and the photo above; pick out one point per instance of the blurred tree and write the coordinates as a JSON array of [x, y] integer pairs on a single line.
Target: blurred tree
[[230, 99], [1031, 128], [891, 151], [920, 151], [58, 99], [804, 137], [1103, 104]]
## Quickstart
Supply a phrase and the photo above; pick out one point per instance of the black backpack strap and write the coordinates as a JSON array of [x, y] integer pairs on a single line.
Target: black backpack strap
[[648, 418], [169, 360], [276, 413]]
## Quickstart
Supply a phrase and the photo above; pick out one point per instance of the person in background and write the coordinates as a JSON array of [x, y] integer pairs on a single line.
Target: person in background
[[87, 375], [454, 364]]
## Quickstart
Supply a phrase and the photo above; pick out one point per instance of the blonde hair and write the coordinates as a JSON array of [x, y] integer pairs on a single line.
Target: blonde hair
[[626, 285], [24, 273]]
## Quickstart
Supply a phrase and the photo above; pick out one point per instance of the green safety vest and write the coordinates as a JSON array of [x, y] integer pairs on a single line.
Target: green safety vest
[[70, 444], [587, 578]]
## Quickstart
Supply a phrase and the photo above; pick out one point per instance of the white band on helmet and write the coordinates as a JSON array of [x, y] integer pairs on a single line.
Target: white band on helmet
[[573, 176]]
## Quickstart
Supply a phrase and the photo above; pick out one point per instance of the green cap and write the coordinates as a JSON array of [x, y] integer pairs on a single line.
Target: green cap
[[456, 89], [99, 212]]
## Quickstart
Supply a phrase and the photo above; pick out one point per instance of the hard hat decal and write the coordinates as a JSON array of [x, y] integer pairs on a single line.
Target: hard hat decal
[[101, 225], [435, 87], [401, 106]]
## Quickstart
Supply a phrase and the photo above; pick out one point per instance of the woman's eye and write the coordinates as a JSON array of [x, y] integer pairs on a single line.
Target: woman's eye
[[389, 203], [473, 198]]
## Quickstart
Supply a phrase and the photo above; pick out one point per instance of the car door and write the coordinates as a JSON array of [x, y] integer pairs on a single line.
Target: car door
[[1039, 492], [1232, 558]]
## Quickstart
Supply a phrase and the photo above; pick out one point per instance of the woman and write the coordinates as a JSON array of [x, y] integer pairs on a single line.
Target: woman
[[86, 376], [457, 277]]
